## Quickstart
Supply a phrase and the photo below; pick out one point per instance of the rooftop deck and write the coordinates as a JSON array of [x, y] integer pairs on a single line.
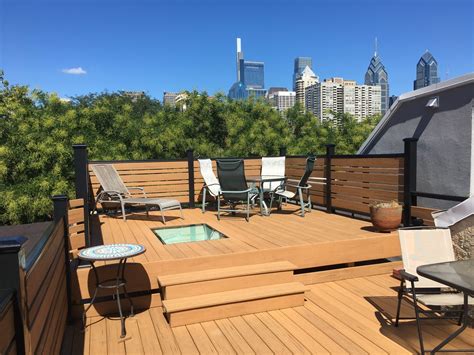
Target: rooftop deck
[[346, 316], [317, 240]]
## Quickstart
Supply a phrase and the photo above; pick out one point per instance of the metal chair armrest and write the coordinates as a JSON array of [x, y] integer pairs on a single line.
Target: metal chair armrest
[[407, 276], [138, 188]]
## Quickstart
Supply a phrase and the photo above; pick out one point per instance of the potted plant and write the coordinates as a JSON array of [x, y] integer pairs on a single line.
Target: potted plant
[[386, 216]]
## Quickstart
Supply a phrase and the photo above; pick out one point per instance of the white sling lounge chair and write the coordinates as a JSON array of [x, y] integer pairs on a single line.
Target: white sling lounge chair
[[422, 246], [113, 190], [211, 184], [272, 167]]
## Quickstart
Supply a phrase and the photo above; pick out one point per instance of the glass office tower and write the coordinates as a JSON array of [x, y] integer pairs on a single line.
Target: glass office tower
[[300, 64]]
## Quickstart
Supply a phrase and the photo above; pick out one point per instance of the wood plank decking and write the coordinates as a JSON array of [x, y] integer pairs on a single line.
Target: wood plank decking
[[318, 239], [341, 317]]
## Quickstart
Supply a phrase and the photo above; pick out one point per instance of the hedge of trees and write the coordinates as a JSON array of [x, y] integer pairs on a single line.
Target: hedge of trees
[[37, 130]]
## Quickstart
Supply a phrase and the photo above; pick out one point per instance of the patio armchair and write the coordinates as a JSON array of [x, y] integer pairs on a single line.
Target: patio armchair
[[114, 191], [234, 189], [211, 184], [296, 188], [272, 166], [422, 246]]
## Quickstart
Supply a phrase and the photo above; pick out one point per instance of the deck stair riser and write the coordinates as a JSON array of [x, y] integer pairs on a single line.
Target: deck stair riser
[[225, 279], [196, 309], [202, 296]]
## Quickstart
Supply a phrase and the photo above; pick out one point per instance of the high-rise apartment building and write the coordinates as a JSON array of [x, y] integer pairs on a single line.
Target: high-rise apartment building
[[337, 95], [377, 75], [300, 64], [426, 71], [282, 100], [305, 79], [250, 77], [169, 98]]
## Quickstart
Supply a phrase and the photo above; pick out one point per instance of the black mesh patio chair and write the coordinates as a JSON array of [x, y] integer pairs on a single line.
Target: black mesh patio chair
[[296, 190], [233, 187]]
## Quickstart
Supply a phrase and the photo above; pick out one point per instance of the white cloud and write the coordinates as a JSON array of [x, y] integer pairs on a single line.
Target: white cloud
[[74, 71]]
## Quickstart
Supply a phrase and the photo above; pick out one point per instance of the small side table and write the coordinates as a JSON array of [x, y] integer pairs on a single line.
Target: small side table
[[120, 252]]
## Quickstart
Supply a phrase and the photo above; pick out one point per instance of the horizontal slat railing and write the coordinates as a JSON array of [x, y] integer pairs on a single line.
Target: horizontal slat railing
[[358, 181]]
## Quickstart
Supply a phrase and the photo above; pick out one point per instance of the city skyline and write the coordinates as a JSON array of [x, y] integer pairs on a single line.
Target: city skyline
[[177, 46]]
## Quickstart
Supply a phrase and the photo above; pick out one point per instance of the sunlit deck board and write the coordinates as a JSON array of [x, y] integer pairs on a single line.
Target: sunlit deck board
[[338, 317]]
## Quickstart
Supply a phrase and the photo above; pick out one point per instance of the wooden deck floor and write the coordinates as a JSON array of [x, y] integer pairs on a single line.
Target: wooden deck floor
[[338, 317], [318, 239]]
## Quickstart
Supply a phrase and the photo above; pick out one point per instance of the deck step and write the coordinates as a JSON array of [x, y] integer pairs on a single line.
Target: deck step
[[188, 310], [225, 279]]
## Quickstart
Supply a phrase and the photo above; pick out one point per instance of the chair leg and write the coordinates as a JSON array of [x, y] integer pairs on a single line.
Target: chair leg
[[248, 207], [400, 296], [181, 211], [417, 316], [218, 208], [203, 200], [163, 216], [300, 193], [123, 212]]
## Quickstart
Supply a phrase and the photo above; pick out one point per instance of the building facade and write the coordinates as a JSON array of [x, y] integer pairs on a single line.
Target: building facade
[[300, 64], [252, 74], [441, 116], [169, 98], [305, 79], [282, 100], [377, 75], [426, 71], [336, 95]]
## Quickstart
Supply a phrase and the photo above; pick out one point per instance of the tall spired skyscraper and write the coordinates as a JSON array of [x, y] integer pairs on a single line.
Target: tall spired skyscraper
[[300, 64], [426, 71], [377, 75]]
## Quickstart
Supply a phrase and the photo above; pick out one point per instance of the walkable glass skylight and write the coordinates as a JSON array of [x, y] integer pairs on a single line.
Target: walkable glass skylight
[[186, 234]]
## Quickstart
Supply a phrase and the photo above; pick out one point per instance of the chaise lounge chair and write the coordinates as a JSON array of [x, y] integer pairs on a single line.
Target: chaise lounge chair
[[113, 190]]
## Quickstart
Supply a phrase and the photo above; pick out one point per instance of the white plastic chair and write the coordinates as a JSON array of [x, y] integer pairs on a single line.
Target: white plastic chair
[[272, 166], [211, 184]]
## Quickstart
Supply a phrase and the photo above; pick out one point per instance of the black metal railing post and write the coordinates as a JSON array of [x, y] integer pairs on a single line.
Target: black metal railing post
[[190, 155], [61, 207], [330, 149], [82, 184], [282, 151], [409, 178], [11, 259]]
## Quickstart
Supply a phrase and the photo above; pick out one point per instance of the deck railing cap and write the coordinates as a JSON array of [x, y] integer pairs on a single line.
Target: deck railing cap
[[12, 244]]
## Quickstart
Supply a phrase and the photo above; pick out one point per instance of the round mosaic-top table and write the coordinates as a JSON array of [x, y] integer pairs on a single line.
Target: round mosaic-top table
[[120, 252]]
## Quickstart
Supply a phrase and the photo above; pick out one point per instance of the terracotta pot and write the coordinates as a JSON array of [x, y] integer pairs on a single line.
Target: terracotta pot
[[386, 219]]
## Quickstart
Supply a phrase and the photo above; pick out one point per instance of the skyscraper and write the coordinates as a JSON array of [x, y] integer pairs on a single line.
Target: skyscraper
[[377, 75], [252, 74], [300, 64], [426, 71], [250, 77], [305, 78]]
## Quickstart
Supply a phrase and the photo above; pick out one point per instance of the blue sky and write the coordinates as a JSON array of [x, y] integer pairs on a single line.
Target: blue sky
[[158, 46]]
